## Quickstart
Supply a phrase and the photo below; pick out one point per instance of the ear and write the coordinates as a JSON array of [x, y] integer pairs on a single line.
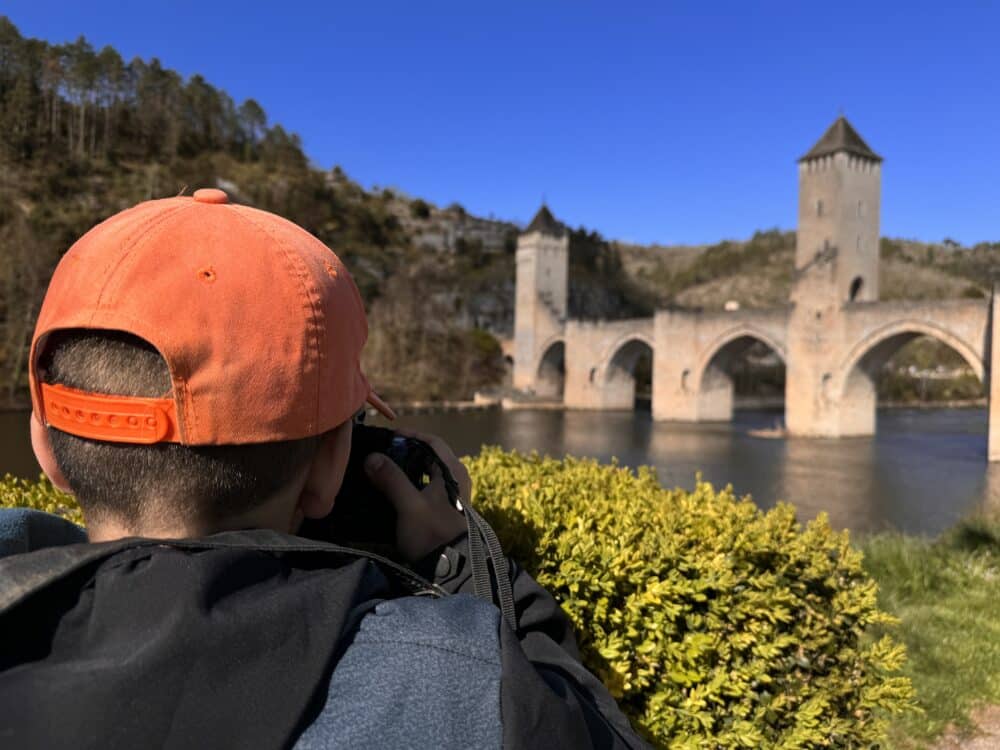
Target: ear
[[43, 454], [326, 473]]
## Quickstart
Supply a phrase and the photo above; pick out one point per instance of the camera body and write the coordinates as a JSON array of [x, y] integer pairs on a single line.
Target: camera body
[[362, 517]]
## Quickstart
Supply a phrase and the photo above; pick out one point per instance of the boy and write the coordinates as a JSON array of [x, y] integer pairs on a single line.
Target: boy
[[194, 374]]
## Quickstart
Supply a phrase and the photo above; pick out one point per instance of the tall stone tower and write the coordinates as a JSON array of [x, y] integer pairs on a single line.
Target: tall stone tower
[[540, 304], [836, 263], [836, 253]]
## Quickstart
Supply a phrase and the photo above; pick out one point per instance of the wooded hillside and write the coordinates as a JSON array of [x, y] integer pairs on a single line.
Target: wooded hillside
[[84, 134]]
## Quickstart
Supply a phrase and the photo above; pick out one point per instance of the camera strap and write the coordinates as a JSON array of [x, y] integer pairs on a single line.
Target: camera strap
[[485, 554]]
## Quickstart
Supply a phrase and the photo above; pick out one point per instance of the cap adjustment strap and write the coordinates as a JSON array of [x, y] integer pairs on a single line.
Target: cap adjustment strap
[[114, 419]]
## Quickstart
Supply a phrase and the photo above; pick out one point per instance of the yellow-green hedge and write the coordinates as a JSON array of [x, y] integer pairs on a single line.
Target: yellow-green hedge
[[713, 624], [40, 495]]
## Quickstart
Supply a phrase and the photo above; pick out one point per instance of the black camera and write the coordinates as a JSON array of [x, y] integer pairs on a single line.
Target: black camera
[[362, 517]]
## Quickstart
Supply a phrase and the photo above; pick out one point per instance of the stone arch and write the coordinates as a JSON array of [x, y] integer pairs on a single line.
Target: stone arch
[[615, 350], [712, 379], [550, 372], [853, 385], [616, 373]]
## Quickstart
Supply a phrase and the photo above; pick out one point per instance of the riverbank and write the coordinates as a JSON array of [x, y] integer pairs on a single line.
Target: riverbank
[[777, 403], [433, 407], [973, 403], [750, 404], [482, 403]]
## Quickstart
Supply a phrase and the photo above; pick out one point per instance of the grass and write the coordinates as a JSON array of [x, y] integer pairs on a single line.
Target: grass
[[946, 594]]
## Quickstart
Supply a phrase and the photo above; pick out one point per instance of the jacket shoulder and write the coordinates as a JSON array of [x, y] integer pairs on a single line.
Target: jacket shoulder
[[26, 530], [417, 672]]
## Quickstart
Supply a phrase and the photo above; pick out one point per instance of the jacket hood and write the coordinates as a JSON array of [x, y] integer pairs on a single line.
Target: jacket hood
[[222, 642]]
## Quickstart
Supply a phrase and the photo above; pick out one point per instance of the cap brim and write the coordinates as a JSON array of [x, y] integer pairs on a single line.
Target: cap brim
[[380, 406]]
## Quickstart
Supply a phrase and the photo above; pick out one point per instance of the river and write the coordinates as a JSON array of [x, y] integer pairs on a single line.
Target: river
[[923, 471]]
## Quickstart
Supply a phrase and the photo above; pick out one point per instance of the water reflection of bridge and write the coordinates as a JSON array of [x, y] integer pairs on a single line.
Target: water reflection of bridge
[[834, 336]]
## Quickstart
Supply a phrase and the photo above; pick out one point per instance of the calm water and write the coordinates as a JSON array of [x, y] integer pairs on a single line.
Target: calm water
[[923, 471]]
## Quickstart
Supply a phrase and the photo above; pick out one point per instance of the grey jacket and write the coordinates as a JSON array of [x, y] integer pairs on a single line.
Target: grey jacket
[[258, 639]]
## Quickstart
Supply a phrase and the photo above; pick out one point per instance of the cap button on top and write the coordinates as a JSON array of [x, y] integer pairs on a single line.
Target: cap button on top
[[210, 195]]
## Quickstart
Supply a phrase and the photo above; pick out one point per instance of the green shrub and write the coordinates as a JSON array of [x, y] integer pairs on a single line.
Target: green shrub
[[712, 623], [40, 495]]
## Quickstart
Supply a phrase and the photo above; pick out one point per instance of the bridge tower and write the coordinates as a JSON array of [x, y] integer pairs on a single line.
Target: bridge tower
[[836, 264], [836, 253], [540, 304]]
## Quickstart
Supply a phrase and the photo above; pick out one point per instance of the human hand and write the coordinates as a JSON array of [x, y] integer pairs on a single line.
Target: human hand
[[425, 519], [443, 451]]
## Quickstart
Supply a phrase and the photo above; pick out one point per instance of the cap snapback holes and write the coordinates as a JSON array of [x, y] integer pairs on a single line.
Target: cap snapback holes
[[206, 274]]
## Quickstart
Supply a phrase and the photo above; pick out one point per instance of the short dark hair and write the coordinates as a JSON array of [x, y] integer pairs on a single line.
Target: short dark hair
[[131, 483]]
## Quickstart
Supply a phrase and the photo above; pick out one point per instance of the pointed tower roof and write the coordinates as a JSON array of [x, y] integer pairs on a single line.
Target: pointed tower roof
[[841, 136], [545, 223]]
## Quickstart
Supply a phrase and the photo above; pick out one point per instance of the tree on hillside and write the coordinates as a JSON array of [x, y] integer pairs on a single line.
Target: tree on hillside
[[253, 123], [84, 134], [111, 87], [417, 350], [420, 209], [599, 286], [24, 274], [68, 101]]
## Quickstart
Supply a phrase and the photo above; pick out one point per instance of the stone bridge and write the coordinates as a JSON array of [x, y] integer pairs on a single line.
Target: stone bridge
[[834, 335]]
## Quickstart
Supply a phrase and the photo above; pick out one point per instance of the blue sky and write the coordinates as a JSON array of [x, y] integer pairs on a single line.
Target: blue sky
[[665, 122]]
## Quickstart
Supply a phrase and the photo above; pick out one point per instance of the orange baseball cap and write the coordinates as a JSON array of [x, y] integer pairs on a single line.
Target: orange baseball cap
[[259, 322]]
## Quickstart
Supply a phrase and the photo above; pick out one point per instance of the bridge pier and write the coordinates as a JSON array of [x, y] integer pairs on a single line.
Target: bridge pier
[[675, 396], [812, 404]]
